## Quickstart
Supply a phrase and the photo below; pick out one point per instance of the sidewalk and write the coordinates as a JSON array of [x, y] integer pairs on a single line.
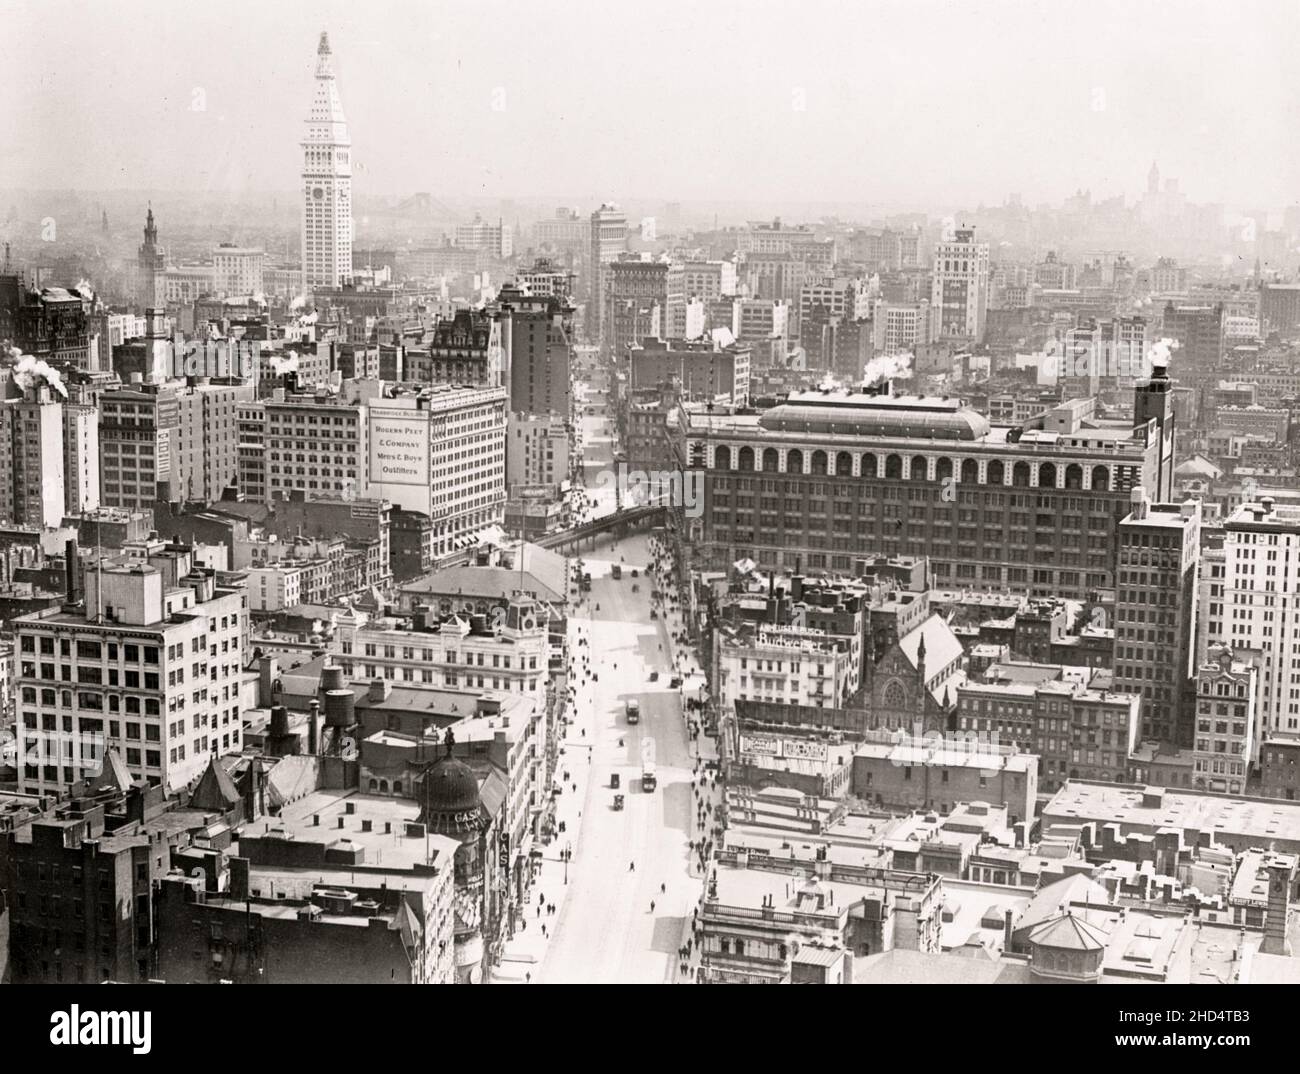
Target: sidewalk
[[703, 747], [525, 951]]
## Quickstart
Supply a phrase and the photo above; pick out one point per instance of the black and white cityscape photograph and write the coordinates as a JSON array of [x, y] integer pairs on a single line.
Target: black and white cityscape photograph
[[801, 492]]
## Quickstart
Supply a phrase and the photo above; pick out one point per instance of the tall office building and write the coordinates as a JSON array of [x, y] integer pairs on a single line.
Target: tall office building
[[900, 326], [536, 334], [238, 270], [316, 445], [608, 240], [49, 323], [251, 466], [150, 267], [1155, 614], [442, 454], [496, 240], [1262, 588], [1153, 400], [960, 292], [1279, 307], [80, 457], [150, 667], [137, 428], [206, 446], [1199, 332], [464, 350], [537, 450], [636, 302], [31, 459], [327, 183], [171, 442]]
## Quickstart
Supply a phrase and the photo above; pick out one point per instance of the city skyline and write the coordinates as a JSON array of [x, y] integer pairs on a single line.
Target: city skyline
[[764, 494], [498, 123]]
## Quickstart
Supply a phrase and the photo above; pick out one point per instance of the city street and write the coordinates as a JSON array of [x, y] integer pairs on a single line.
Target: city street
[[597, 447], [605, 931]]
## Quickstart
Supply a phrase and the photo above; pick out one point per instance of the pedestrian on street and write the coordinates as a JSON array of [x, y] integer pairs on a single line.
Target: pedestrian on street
[[631, 867], [652, 906], [528, 977]]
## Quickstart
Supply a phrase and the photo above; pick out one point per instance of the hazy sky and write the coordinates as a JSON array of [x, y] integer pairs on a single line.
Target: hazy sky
[[915, 102]]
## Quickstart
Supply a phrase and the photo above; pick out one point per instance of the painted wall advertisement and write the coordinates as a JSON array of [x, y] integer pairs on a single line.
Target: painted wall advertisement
[[399, 448]]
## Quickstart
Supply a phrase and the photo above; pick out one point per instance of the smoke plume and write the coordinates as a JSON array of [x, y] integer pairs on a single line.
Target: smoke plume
[[287, 364], [1161, 351], [29, 369], [887, 367]]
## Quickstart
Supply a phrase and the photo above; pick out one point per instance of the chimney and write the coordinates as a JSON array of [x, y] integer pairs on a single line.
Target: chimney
[[1006, 931], [239, 878], [313, 719], [1281, 876], [71, 564]]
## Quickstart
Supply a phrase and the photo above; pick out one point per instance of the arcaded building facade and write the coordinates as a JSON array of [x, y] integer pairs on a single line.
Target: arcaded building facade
[[827, 477]]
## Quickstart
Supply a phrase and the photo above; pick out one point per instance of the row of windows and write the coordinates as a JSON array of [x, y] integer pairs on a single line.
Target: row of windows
[[916, 469]]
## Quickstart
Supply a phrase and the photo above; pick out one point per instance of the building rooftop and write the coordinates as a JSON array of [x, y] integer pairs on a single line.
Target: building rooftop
[[952, 754], [862, 414], [544, 573], [387, 842], [901, 966], [1265, 820]]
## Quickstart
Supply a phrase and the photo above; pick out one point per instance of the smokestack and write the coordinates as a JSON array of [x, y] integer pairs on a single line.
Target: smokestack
[[1277, 917], [313, 720], [70, 566]]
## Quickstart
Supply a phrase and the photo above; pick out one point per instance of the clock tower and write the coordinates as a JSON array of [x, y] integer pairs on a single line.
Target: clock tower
[[326, 183]]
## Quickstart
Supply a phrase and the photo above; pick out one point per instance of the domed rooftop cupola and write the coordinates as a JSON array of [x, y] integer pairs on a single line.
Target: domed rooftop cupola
[[449, 797]]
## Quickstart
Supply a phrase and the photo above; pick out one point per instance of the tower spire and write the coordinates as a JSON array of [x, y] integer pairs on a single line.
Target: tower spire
[[327, 182]]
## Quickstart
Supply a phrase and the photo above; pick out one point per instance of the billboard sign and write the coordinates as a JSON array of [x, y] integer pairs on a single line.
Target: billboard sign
[[806, 749], [761, 744]]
